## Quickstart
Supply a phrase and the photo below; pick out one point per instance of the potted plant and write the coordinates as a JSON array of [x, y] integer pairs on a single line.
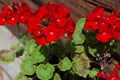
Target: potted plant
[[59, 49]]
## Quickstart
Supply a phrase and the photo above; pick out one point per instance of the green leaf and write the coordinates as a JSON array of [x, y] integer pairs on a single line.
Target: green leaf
[[79, 49], [30, 45], [21, 76], [37, 56], [92, 51], [27, 66], [78, 37], [65, 64], [57, 77], [92, 73], [29, 79], [6, 57], [80, 25], [81, 64], [45, 72]]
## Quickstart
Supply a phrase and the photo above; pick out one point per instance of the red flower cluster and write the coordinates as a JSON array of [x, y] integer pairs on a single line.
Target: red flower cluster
[[47, 24], [13, 13], [106, 25], [113, 75]]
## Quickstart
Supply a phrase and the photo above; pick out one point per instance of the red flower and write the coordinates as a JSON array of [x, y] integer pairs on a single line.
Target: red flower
[[50, 35], [103, 37], [12, 21], [116, 35], [103, 27], [98, 11], [32, 25], [24, 13], [58, 11], [2, 20], [42, 13], [101, 75], [61, 23], [41, 41], [113, 78], [117, 66], [70, 28], [91, 25]]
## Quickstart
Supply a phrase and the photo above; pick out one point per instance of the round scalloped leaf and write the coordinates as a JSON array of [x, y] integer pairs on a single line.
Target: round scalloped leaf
[[27, 69], [37, 56], [65, 64], [92, 73], [56, 77], [79, 49], [27, 66], [81, 64], [45, 72], [6, 57]]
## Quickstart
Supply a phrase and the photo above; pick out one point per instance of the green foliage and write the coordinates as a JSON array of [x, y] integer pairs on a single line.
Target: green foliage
[[81, 64], [37, 56], [65, 64], [56, 77], [30, 79], [78, 37], [21, 76], [92, 73], [56, 49], [79, 49], [27, 66], [92, 51], [112, 42], [33, 56], [80, 25], [70, 47], [45, 71], [19, 51], [6, 56], [33, 51], [30, 45]]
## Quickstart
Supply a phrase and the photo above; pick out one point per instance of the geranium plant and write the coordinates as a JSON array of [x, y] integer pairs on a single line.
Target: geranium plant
[[59, 49]]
